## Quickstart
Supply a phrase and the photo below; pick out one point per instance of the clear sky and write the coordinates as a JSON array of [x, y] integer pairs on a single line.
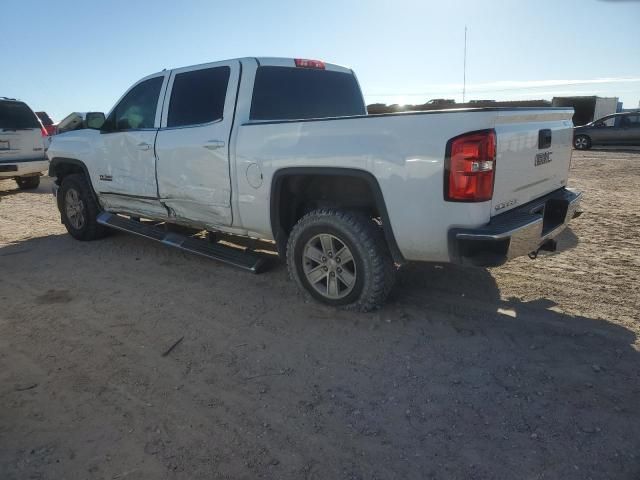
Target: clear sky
[[63, 56]]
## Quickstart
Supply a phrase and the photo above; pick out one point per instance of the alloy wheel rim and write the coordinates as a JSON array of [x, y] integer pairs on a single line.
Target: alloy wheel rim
[[581, 142], [329, 266], [74, 208]]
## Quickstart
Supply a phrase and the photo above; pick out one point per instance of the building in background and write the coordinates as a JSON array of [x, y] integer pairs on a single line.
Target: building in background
[[588, 109]]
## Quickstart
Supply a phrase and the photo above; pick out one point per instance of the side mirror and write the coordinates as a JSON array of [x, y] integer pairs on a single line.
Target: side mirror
[[94, 120]]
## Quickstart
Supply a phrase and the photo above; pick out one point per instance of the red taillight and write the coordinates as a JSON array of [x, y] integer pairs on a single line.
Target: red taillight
[[303, 63], [43, 132], [470, 167]]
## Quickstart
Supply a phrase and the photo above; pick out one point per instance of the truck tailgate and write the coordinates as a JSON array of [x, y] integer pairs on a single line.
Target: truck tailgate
[[533, 154]]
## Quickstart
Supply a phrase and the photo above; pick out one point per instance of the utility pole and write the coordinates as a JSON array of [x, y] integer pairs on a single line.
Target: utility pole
[[464, 67]]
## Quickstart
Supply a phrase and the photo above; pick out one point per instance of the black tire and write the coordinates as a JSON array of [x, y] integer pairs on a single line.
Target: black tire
[[89, 228], [28, 183], [582, 142], [374, 270]]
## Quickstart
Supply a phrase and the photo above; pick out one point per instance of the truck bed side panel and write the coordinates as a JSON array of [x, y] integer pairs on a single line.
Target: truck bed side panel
[[404, 152]]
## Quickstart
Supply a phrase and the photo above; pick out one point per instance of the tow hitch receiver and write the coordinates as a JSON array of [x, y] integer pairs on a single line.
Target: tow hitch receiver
[[550, 245]]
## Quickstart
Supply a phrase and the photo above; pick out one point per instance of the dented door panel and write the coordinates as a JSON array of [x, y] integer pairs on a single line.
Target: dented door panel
[[193, 159]]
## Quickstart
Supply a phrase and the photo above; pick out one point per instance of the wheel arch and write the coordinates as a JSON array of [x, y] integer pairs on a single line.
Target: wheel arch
[[279, 226], [59, 167]]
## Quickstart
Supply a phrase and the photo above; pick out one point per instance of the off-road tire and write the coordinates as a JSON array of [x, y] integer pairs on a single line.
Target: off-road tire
[[375, 270], [28, 183], [90, 229]]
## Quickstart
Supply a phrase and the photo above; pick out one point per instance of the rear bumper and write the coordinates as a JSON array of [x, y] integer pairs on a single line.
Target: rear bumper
[[22, 167], [521, 231]]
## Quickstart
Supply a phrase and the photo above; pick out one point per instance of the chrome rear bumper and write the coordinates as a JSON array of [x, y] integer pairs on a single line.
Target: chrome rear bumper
[[520, 231]]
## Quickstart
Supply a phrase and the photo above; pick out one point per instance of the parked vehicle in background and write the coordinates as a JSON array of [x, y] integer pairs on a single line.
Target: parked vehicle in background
[[22, 144], [47, 123], [73, 121], [619, 129], [283, 150]]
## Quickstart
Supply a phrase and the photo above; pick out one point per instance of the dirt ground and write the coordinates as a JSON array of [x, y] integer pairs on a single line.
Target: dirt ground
[[527, 371]]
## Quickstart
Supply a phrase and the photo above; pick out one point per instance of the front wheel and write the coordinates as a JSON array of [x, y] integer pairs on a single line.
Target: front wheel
[[79, 209], [28, 183], [341, 259], [582, 142]]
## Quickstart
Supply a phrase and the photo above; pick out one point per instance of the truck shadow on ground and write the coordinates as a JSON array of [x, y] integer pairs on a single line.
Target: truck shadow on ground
[[620, 149], [481, 386], [9, 187]]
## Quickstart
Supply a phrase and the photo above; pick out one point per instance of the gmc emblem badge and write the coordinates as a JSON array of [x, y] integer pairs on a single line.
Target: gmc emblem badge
[[542, 158]]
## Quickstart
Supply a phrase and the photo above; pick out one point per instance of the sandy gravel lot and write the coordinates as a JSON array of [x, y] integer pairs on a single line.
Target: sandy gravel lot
[[529, 371]]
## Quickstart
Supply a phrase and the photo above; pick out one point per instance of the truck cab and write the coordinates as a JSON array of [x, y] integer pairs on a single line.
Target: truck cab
[[165, 147]]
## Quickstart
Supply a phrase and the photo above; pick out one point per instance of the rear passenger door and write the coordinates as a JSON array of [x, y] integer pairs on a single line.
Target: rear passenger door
[[192, 146], [630, 130]]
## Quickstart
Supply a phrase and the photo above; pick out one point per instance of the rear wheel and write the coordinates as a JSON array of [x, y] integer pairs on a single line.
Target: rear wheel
[[79, 208], [582, 142], [28, 183], [340, 258]]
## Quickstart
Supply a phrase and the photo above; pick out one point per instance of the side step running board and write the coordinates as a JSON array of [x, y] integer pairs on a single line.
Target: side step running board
[[245, 260]]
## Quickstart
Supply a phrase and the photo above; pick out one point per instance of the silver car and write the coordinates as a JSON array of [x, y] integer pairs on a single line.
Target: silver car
[[617, 129]]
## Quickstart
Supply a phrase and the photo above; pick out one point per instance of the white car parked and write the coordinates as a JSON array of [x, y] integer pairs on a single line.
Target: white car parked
[[283, 149], [22, 144]]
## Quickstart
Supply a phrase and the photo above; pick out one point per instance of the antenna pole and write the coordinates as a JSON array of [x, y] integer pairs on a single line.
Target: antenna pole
[[464, 68]]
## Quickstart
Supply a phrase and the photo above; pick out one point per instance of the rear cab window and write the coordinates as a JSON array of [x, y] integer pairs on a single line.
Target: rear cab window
[[286, 93], [17, 115]]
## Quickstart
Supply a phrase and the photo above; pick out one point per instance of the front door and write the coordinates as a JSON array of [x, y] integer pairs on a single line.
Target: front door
[[192, 145], [603, 131], [127, 167]]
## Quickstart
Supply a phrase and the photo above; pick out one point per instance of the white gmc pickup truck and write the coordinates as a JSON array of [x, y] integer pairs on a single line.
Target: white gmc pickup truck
[[283, 150]]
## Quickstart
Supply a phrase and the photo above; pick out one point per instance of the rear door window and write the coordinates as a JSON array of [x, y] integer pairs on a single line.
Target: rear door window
[[17, 115], [631, 121], [198, 96], [284, 93]]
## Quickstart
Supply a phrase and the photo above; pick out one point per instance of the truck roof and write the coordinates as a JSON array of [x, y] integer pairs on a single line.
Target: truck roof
[[273, 62]]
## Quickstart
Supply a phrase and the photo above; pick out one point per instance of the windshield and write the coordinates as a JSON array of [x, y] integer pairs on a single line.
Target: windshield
[[17, 115]]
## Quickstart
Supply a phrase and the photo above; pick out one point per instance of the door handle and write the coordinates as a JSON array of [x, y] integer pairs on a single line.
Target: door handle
[[144, 146], [214, 144]]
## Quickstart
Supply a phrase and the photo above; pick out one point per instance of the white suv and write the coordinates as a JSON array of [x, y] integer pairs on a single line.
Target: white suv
[[22, 144]]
